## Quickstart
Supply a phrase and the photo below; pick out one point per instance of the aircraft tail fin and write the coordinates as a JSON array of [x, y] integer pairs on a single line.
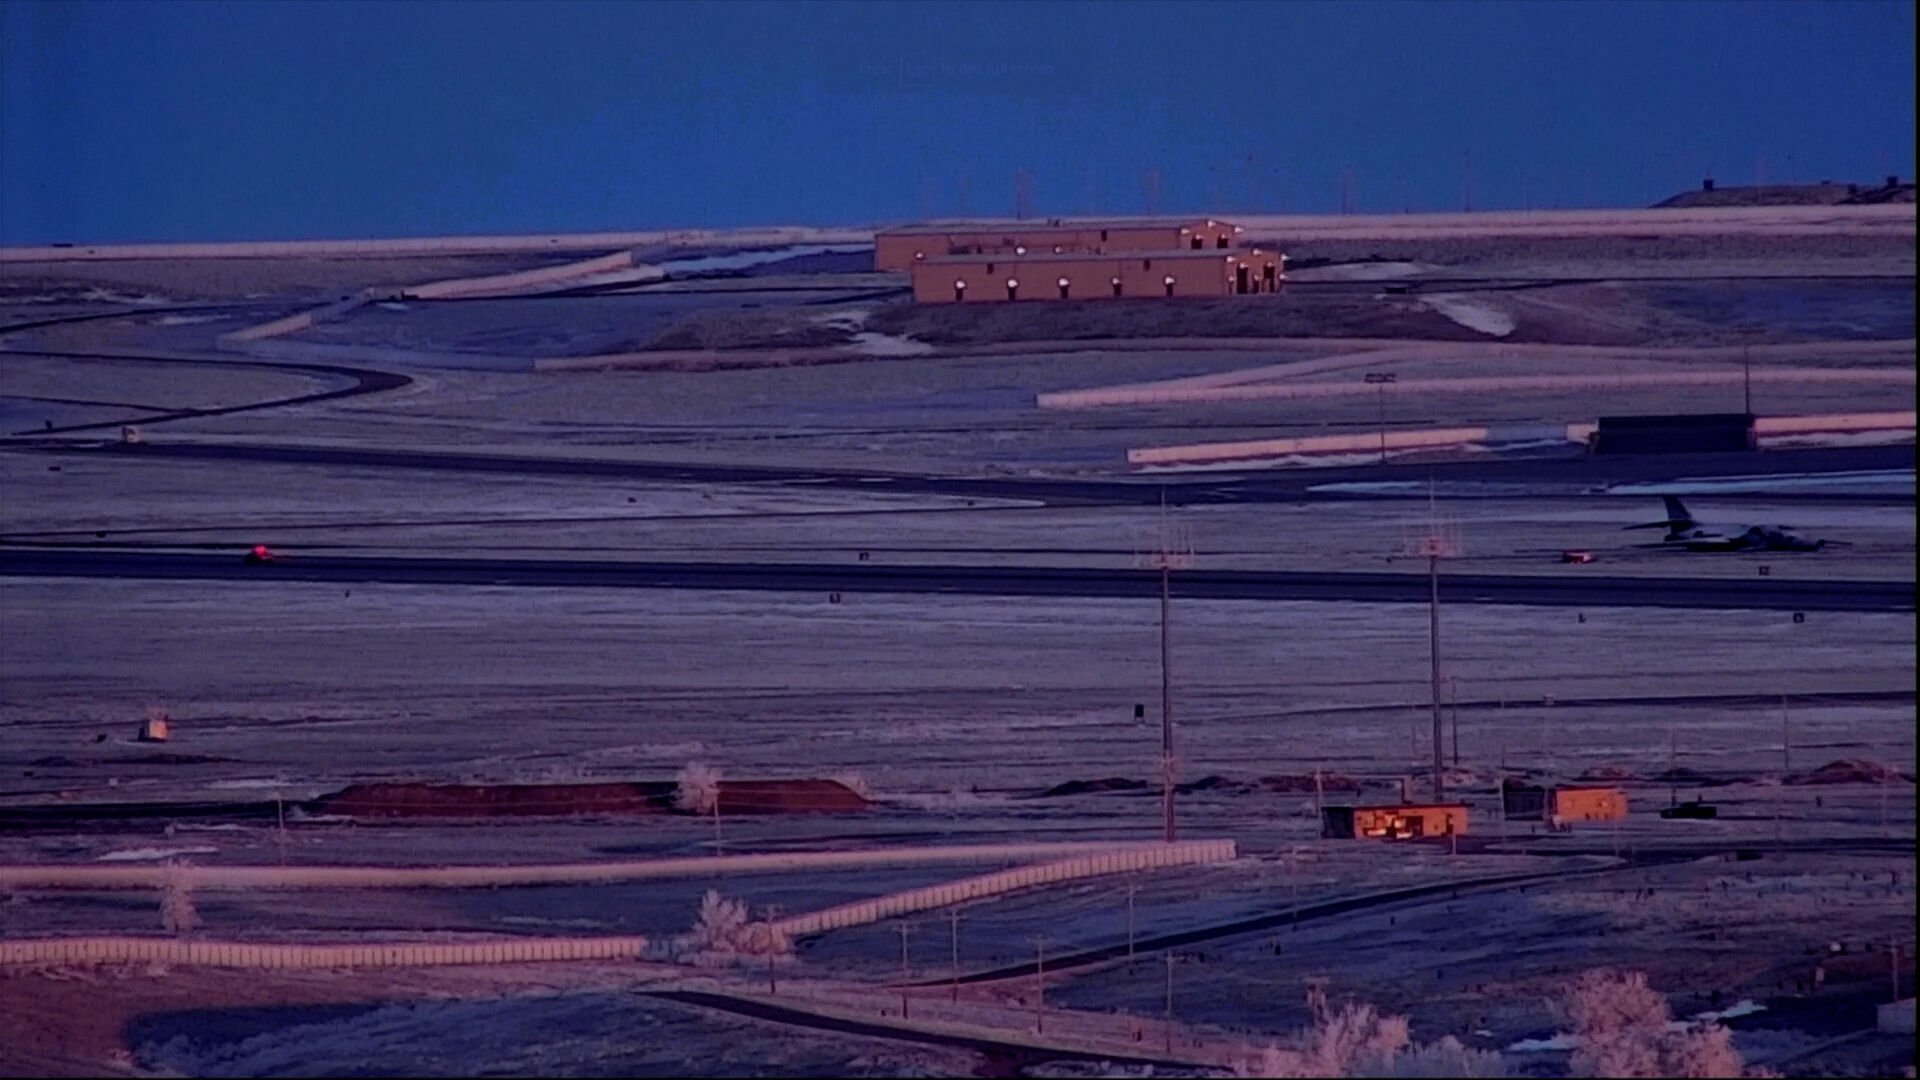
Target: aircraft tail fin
[[1677, 515], [1678, 518]]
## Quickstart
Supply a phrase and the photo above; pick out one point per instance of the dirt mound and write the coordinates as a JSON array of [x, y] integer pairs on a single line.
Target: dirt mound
[[1851, 771], [1300, 782], [1214, 783], [1093, 787], [406, 799], [649, 797], [1694, 778], [789, 797], [1122, 784]]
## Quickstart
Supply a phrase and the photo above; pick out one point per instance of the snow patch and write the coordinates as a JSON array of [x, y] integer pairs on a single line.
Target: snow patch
[[1900, 479], [1471, 313], [742, 259], [1560, 1043], [1743, 1007], [148, 854], [874, 344]]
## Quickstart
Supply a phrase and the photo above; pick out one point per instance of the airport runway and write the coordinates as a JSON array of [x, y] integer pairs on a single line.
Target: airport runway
[[1573, 588], [1568, 475]]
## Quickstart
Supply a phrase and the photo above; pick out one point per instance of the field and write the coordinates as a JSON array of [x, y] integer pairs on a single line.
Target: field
[[818, 420]]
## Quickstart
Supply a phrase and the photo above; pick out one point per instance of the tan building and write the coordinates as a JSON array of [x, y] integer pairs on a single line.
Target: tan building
[[953, 279], [900, 249]]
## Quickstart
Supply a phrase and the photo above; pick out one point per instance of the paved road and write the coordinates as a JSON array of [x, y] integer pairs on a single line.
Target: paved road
[[1008, 1052], [1570, 475], [1573, 588], [1644, 857], [359, 381]]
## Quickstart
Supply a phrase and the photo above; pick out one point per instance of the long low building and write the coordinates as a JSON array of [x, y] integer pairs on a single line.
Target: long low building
[[1086, 276], [900, 249]]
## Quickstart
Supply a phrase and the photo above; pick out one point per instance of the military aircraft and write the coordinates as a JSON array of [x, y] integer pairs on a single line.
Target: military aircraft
[[1686, 534]]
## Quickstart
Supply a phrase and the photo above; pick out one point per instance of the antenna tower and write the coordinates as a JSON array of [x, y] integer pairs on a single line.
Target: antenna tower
[[1441, 541]]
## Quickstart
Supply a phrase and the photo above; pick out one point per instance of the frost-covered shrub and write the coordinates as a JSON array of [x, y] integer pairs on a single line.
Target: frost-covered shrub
[[1359, 1040], [177, 913], [854, 782], [1624, 1029], [1446, 1058], [723, 934], [1353, 1040], [698, 788]]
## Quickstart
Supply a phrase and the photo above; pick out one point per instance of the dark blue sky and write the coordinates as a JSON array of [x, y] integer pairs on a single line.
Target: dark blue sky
[[188, 121]]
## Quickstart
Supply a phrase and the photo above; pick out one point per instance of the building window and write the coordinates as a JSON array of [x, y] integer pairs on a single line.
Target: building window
[[1013, 288], [1116, 286], [959, 291], [918, 255], [1019, 251], [1198, 243], [1064, 285], [1103, 236], [1220, 241], [1146, 264], [1168, 282], [989, 268]]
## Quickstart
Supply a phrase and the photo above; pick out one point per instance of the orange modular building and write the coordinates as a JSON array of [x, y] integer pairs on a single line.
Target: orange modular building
[[1561, 806], [899, 249], [1571, 804], [1405, 822], [953, 279]]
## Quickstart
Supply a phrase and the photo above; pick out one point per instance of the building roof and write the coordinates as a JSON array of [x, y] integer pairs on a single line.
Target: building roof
[[942, 228], [1215, 254]]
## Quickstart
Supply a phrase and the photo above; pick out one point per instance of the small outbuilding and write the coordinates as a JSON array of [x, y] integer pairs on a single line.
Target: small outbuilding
[[1409, 821], [1562, 806]]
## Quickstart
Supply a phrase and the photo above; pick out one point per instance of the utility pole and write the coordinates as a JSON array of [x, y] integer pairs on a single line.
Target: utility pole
[[1436, 545], [903, 929], [1453, 694], [1169, 1024], [1173, 553], [953, 941], [1039, 982], [1786, 736], [1673, 766], [1132, 888], [1746, 378], [1379, 380], [769, 914]]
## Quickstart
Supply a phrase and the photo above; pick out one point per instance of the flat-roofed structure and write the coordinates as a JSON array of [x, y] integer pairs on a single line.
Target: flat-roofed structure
[[1408, 821], [900, 248], [961, 279]]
